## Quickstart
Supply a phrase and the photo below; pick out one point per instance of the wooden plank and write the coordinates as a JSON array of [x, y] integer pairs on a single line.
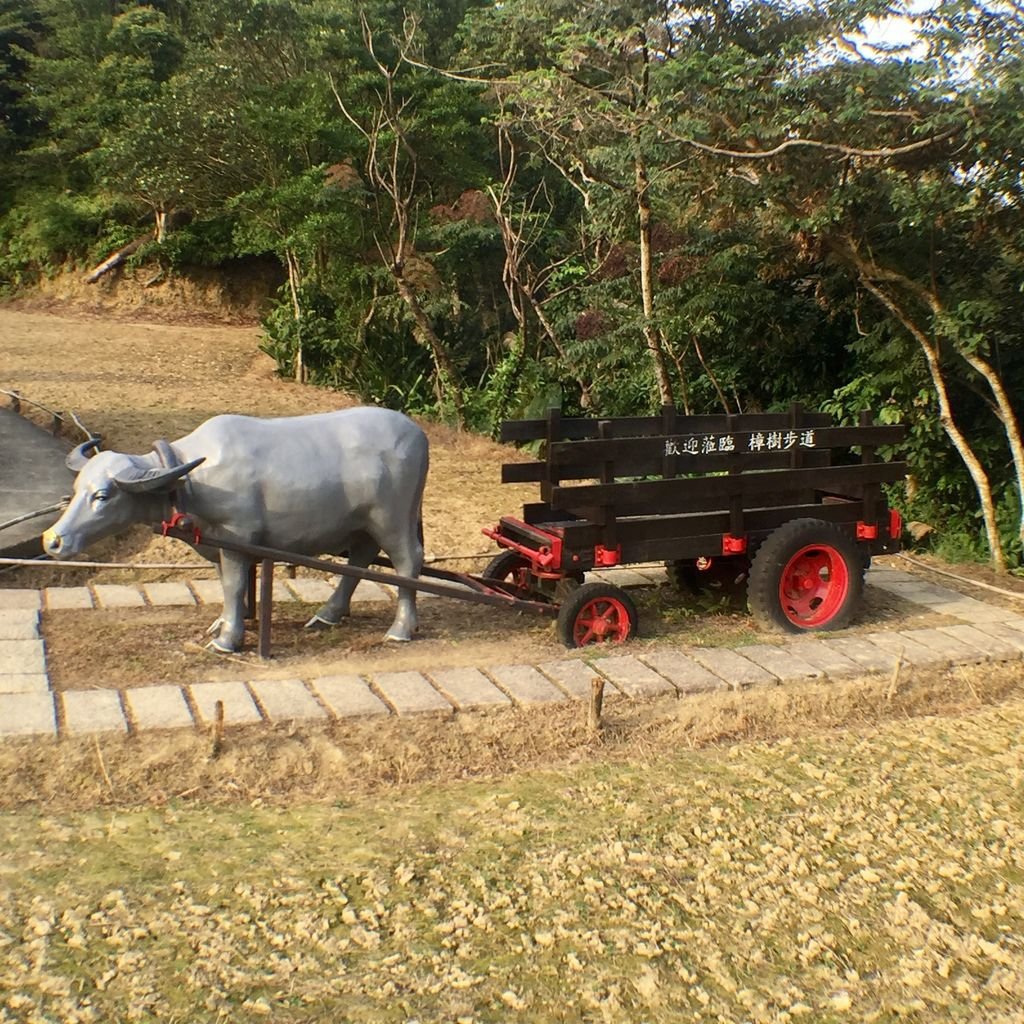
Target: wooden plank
[[719, 445], [651, 426], [535, 472], [664, 538], [774, 487]]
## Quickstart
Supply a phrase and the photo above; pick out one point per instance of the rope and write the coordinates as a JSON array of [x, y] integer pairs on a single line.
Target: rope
[[70, 564], [35, 515], [963, 579], [19, 397]]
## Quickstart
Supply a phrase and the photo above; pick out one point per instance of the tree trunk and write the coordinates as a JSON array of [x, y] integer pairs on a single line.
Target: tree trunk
[[870, 274], [117, 258], [446, 376], [953, 432], [1008, 418], [294, 283], [643, 205]]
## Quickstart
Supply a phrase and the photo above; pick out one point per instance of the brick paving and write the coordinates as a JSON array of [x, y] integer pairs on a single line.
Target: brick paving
[[685, 674], [832, 662], [469, 689], [574, 677], [633, 677], [89, 711], [19, 623], [525, 685], [783, 662], [239, 707], [285, 700], [118, 595], [411, 693], [912, 652], [348, 697], [736, 671], [169, 594], [158, 707], [59, 598], [28, 708]]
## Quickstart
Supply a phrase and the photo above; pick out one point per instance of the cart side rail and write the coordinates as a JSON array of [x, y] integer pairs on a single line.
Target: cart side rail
[[671, 421], [708, 493], [605, 471]]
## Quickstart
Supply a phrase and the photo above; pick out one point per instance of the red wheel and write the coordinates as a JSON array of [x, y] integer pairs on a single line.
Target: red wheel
[[808, 575], [813, 586], [515, 569], [510, 567], [597, 613]]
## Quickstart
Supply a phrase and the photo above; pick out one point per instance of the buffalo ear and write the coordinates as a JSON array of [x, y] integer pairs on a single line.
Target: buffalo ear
[[135, 480], [78, 457]]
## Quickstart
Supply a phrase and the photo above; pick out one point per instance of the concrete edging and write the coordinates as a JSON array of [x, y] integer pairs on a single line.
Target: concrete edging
[[28, 707]]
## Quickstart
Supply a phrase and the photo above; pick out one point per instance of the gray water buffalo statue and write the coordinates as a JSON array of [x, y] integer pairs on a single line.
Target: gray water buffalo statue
[[324, 484]]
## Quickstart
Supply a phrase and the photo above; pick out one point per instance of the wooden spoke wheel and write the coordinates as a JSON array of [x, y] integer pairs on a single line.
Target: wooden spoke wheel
[[808, 575], [597, 613]]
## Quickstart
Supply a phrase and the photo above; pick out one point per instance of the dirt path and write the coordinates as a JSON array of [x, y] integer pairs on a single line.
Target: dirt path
[[136, 381]]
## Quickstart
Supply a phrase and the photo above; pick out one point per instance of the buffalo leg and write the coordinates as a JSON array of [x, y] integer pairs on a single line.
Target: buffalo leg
[[407, 557], [234, 578], [363, 549]]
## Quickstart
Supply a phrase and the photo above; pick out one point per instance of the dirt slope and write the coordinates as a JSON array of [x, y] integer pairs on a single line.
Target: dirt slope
[[136, 381]]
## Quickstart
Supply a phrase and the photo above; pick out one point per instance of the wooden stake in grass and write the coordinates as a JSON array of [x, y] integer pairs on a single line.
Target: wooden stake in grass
[[103, 766], [894, 682], [218, 729], [967, 679], [596, 703]]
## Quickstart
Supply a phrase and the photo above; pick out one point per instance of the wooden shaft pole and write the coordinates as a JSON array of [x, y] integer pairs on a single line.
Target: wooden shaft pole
[[266, 605]]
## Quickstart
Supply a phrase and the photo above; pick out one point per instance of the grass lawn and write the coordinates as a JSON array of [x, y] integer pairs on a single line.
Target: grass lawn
[[872, 873]]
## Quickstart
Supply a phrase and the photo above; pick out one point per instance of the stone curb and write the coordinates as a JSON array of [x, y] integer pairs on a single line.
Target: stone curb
[[675, 672], [28, 708]]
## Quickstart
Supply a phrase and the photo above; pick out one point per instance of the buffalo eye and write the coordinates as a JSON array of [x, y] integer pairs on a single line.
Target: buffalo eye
[[100, 496]]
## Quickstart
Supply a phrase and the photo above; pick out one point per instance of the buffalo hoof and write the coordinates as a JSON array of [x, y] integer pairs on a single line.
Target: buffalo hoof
[[318, 622], [397, 638], [218, 647]]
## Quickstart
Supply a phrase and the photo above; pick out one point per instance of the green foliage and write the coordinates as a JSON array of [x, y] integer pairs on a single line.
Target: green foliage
[[393, 372], [45, 231], [810, 276]]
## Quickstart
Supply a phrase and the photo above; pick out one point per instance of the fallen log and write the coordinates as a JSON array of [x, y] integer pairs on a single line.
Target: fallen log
[[117, 258]]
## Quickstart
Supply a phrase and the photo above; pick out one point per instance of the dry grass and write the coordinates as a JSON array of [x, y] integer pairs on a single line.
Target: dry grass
[[870, 873], [343, 760], [832, 852]]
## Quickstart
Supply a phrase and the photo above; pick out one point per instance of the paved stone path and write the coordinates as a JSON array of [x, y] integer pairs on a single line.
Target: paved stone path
[[28, 707]]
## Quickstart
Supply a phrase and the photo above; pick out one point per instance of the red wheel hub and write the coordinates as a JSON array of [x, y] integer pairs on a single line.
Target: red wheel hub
[[814, 585], [603, 620]]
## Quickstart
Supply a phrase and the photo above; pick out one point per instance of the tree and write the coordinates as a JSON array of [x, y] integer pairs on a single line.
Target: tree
[[891, 176]]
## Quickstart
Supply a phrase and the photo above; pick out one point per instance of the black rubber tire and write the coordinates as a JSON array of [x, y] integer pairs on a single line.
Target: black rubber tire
[[505, 565], [800, 545], [610, 607], [727, 577]]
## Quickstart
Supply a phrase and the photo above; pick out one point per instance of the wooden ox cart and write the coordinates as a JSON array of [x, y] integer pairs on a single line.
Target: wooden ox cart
[[787, 506]]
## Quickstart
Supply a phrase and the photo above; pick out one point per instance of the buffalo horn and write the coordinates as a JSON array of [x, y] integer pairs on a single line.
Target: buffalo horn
[[79, 456], [135, 479]]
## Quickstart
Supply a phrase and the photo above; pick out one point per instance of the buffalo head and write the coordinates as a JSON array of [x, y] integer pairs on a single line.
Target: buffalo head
[[112, 492]]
